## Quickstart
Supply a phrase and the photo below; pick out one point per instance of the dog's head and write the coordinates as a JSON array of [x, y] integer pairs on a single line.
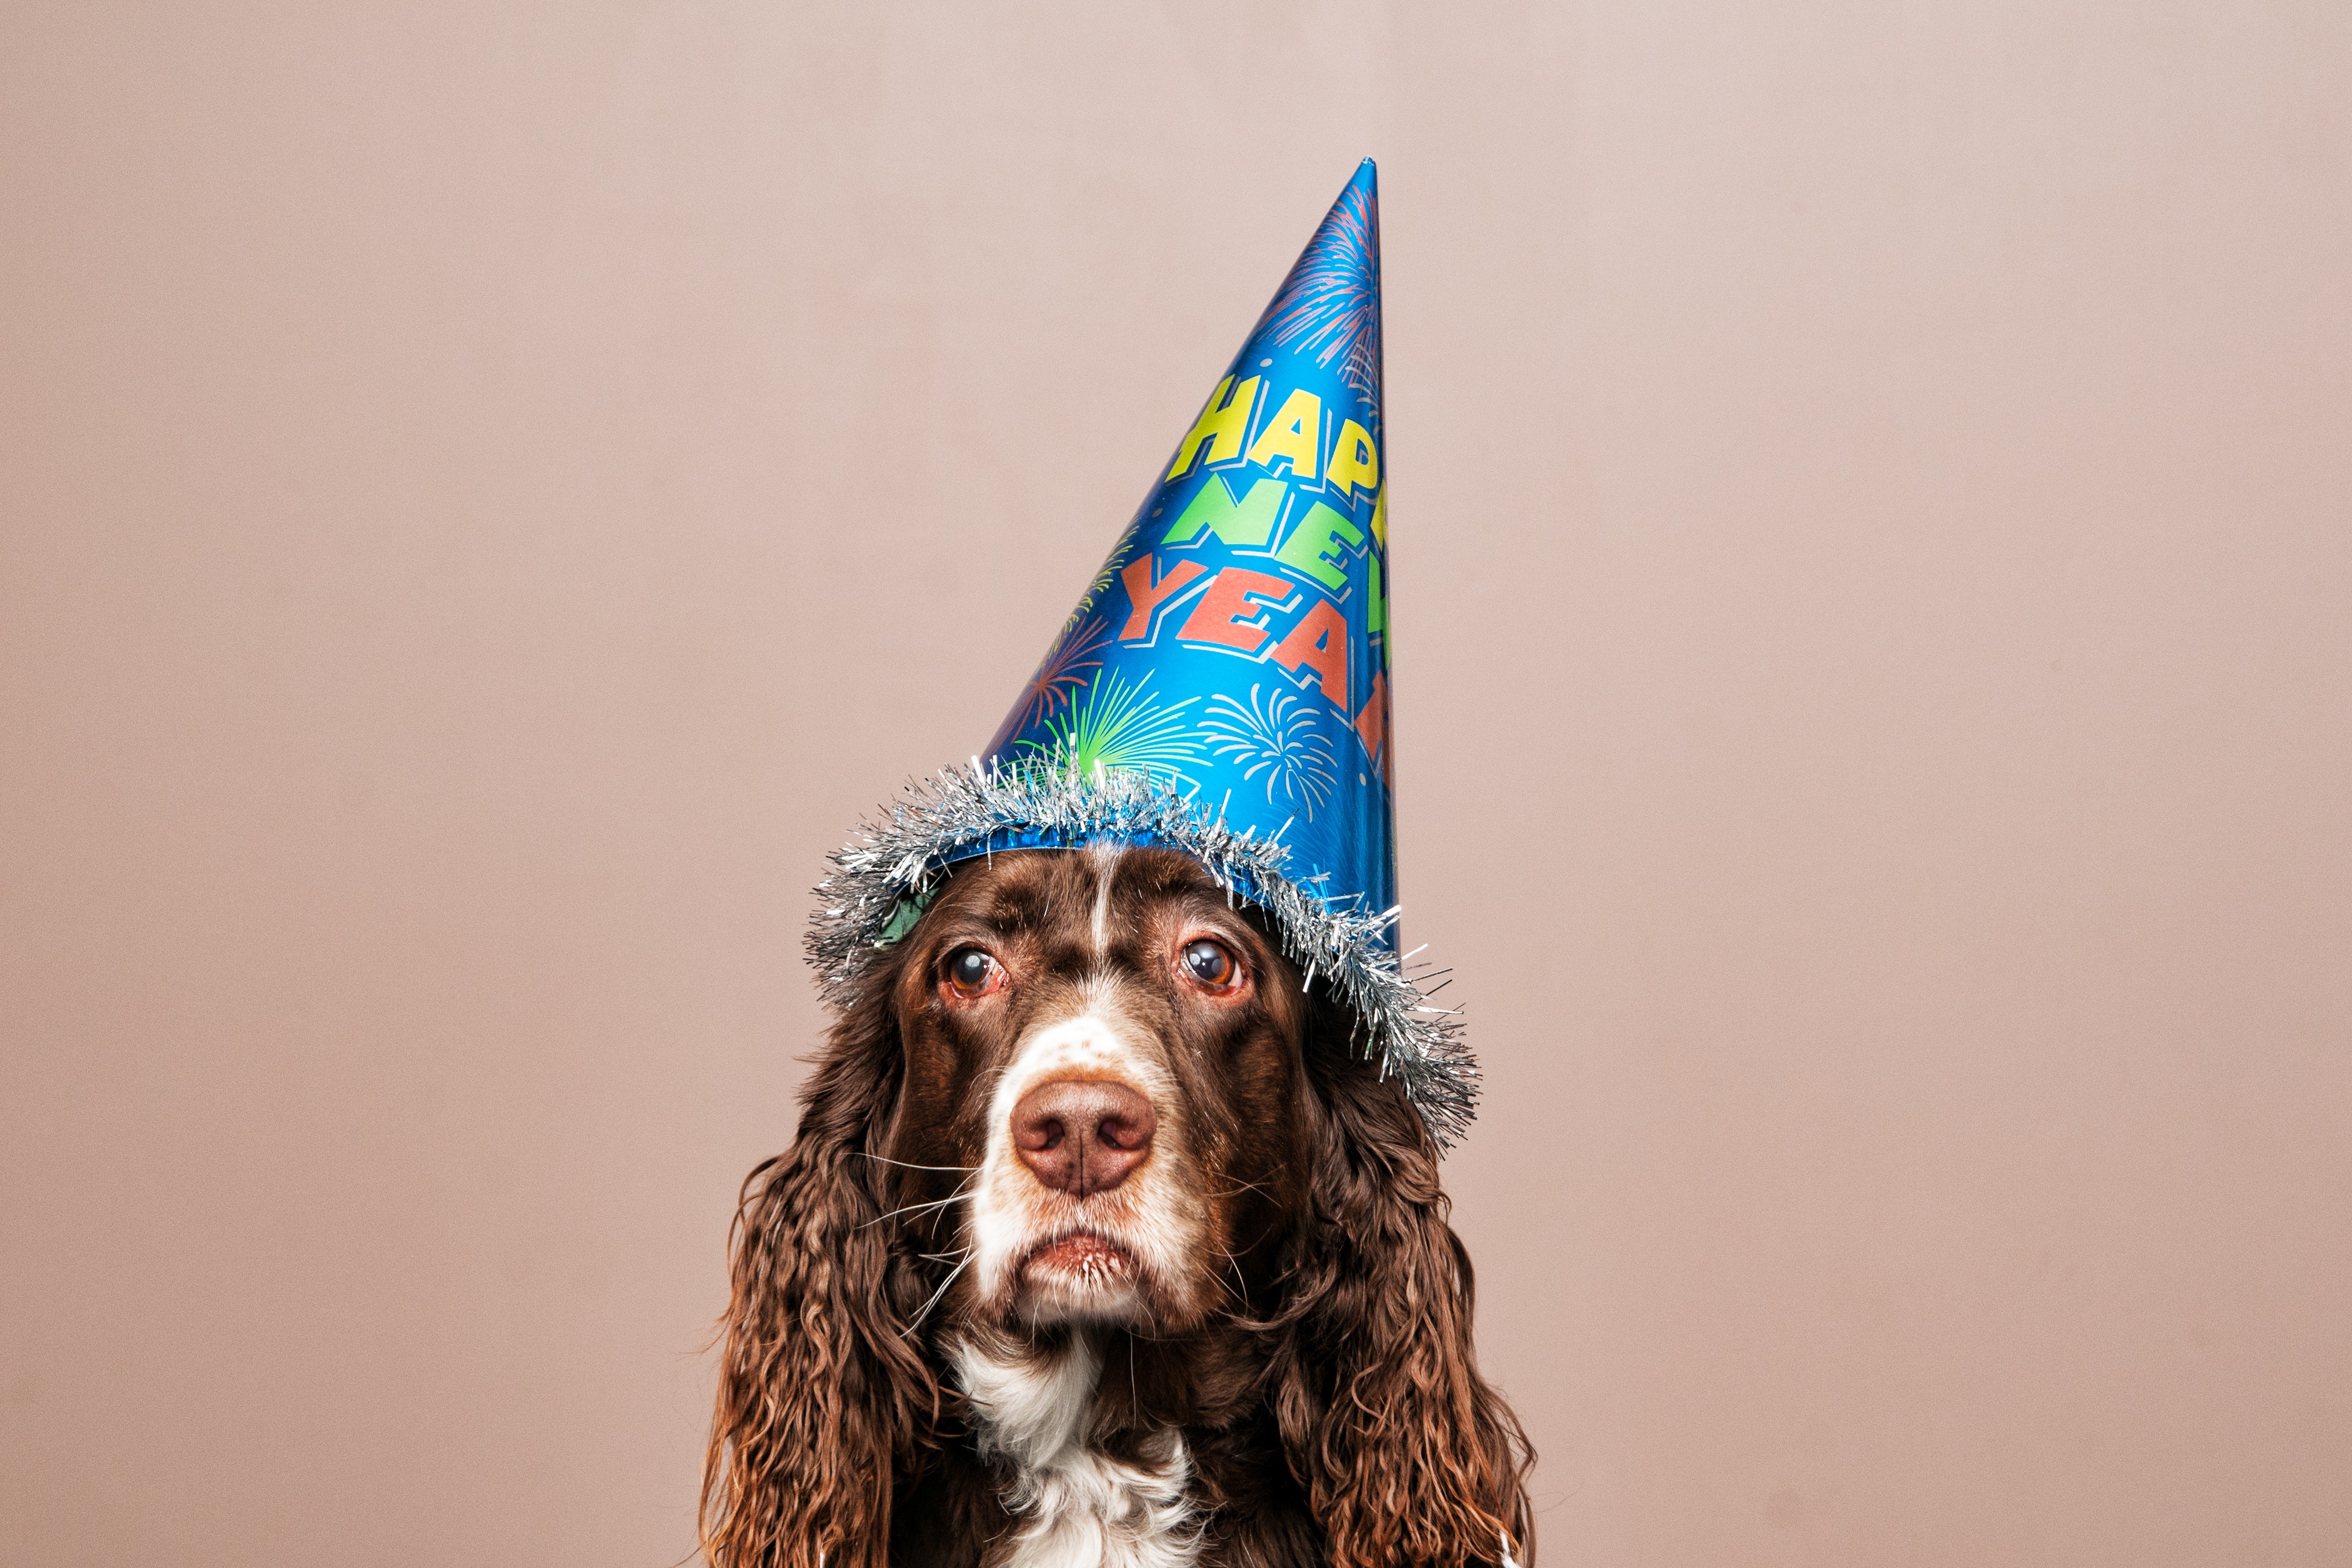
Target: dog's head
[[1106, 1055], [1087, 1091]]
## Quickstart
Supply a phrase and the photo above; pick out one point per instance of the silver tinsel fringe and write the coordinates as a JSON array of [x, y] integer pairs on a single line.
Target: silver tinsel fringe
[[885, 875]]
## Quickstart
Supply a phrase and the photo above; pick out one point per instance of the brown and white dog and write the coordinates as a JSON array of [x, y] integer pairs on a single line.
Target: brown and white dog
[[1100, 1245]]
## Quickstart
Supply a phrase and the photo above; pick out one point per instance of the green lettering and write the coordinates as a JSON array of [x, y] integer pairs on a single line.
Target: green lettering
[[1213, 509], [1310, 545]]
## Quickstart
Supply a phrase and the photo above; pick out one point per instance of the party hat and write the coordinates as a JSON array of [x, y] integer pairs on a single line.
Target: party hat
[[1222, 687]]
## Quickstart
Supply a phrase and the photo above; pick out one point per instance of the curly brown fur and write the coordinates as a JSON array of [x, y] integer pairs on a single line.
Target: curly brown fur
[[1307, 1343], [822, 1396], [1407, 1454]]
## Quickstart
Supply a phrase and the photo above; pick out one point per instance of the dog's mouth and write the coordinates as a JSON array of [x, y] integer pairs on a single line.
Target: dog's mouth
[[1079, 1257]]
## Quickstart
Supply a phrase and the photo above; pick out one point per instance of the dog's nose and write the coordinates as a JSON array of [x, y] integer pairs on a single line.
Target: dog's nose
[[1083, 1135]]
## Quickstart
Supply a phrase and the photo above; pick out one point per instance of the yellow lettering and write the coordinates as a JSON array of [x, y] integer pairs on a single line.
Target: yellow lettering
[[1221, 428], [1355, 461], [1295, 432]]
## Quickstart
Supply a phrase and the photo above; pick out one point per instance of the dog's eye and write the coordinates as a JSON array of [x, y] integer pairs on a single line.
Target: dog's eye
[[1212, 964], [970, 973]]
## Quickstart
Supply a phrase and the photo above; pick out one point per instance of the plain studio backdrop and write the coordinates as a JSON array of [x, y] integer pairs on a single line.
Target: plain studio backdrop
[[490, 494]]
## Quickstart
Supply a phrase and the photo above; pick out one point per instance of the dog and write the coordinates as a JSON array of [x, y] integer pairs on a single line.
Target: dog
[[1101, 1243]]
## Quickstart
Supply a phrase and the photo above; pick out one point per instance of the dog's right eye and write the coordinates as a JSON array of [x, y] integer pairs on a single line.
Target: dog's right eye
[[1212, 964], [969, 974]]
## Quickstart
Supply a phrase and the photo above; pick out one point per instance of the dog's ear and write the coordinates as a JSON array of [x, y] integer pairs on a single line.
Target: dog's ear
[[822, 1399], [1408, 1456]]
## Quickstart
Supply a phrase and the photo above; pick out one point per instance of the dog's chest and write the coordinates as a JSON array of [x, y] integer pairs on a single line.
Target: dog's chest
[[1076, 1508]]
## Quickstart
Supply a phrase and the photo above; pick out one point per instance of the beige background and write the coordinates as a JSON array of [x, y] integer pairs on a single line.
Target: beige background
[[490, 494]]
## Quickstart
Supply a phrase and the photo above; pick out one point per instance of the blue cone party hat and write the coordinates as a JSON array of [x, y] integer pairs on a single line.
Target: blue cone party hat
[[1222, 687]]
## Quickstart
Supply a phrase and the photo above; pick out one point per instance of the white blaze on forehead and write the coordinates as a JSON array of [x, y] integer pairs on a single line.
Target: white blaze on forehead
[[1105, 857]]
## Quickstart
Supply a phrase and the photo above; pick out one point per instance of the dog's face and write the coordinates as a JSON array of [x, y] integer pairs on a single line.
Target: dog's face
[[1104, 1089]]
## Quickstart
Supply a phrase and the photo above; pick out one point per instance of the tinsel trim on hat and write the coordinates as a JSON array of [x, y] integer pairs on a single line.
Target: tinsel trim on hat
[[885, 875]]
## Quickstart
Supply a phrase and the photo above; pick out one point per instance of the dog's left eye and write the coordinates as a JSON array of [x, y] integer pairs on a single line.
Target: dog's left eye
[[970, 973], [1212, 964]]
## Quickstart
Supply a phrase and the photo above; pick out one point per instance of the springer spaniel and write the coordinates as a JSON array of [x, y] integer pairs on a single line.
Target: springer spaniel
[[1100, 1245]]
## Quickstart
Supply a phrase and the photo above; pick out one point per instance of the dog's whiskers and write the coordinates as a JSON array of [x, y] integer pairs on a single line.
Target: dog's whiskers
[[962, 1188], [1240, 1295], [885, 1159], [1245, 1186], [925, 1311]]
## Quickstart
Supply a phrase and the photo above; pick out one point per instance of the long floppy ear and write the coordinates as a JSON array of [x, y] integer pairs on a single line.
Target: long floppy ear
[[822, 1399], [1410, 1459]]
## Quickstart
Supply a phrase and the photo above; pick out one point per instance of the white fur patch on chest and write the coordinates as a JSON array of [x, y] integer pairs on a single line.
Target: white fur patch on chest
[[1078, 1509]]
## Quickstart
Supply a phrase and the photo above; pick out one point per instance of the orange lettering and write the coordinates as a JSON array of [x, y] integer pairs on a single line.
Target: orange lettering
[[1372, 726], [1231, 611], [1319, 643], [1148, 596]]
